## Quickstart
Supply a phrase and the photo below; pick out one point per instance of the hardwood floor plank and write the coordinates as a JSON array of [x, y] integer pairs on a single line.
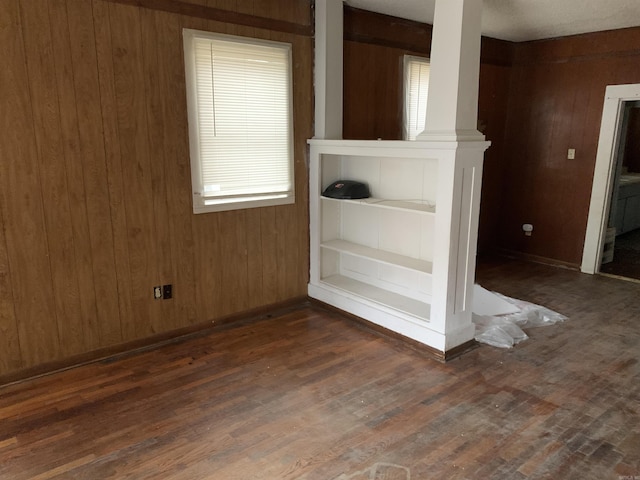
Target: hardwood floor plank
[[309, 394]]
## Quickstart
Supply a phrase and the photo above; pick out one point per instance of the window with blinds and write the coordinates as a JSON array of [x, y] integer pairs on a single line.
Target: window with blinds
[[240, 121], [416, 89]]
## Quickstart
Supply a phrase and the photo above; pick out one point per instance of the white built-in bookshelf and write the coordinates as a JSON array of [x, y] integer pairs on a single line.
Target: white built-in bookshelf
[[395, 258]]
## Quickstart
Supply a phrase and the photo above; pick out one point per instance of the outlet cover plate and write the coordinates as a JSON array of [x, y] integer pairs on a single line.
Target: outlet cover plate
[[167, 292]]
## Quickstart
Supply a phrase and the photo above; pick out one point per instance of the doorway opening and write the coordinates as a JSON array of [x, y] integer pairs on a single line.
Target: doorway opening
[[614, 212], [621, 253]]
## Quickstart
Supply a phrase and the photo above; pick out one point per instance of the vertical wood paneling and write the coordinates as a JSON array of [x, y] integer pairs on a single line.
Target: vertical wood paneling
[[22, 209], [11, 357], [174, 136], [209, 283], [74, 171], [92, 142], [115, 181], [269, 243], [232, 244], [46, 114], [255, 265], [96, 183], [556, 104], [289, 264], [155, 108], [492, 108], [128, 63]]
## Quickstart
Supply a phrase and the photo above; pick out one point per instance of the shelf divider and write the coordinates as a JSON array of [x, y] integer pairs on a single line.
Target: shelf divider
[[414, 206], [382, 256], [410, 306]]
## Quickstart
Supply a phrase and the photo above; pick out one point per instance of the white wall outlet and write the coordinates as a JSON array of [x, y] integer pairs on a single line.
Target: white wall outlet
[[571, 153], [527, 228]]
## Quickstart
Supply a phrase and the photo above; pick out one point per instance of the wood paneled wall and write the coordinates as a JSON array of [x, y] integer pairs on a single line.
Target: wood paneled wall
[[375, 45], [95, 178], [537, 100], [555, 103]]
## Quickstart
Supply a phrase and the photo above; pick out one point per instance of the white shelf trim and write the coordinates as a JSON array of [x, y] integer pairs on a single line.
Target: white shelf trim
[[409, 306], [381, 256], [414, 206]]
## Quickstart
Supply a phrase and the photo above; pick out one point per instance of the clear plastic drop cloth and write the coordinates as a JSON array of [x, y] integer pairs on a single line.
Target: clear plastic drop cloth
[[506, 330]]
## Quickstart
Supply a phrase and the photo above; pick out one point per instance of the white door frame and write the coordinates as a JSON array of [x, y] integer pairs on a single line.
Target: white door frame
[[614, 99]]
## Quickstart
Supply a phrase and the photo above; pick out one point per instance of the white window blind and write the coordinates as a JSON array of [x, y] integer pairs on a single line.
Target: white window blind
[[416, 75], [240, 121]]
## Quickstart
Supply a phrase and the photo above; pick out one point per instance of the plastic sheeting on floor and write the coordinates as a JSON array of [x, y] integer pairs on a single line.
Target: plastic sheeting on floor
[[504, 330]]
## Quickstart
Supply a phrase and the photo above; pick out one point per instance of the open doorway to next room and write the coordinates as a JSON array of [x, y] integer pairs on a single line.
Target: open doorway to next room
[[621, 255]]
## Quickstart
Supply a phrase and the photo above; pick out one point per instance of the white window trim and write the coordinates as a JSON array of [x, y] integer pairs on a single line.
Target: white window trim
[[407, 60], [201, 204]]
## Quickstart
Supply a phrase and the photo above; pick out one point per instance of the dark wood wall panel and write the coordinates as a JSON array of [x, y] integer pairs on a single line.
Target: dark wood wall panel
[[632, 146], [492, 107], [95, 178], [555, 104], [372, 91]]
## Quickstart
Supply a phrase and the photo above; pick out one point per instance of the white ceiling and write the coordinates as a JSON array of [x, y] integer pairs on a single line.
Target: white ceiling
[[520, 20]]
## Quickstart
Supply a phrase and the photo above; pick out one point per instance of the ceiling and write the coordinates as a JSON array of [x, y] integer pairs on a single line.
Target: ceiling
[[521, 20]]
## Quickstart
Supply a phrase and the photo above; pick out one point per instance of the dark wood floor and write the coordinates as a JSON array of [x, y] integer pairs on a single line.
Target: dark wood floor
[[310, 395], [626, 256]]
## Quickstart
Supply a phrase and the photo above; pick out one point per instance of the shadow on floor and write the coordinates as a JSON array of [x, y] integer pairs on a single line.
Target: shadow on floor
[[626, 256]]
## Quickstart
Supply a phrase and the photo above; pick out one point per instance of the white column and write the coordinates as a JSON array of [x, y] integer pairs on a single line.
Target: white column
[[328, 69], [452, 107]]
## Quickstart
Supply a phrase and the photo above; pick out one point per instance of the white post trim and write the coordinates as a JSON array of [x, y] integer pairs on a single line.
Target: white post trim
[[452, 108], [328, 70]]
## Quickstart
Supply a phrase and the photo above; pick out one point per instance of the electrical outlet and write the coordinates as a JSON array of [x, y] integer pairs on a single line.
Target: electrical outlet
[[571, 154], [157, 292], [527, 228], [167, 291]]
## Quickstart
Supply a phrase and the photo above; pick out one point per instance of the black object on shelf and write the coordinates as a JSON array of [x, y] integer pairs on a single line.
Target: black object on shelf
[[347, 190]]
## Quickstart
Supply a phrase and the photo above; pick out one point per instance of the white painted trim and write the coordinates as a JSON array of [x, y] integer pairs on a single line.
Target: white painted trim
[[328, 68], [614, 98]]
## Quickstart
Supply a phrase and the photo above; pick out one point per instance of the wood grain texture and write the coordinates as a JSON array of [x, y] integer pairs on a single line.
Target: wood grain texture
[[292, 17], [22, 201], [9, 339], [308, 394], [49, 142], [96, 180], [92, 143], [73, 168], [556, 101], [115, 178], [135, 150]]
